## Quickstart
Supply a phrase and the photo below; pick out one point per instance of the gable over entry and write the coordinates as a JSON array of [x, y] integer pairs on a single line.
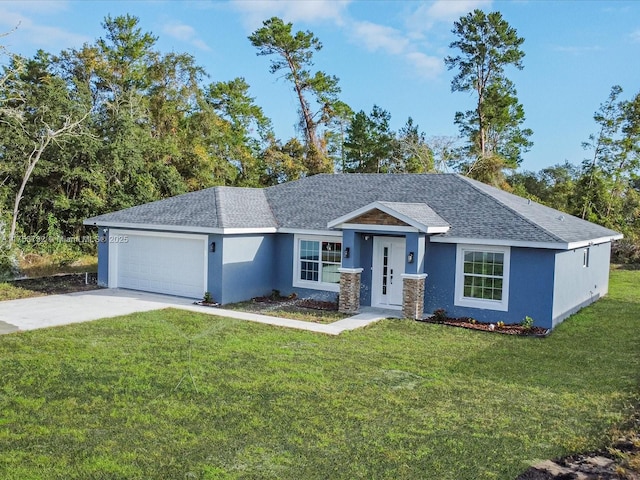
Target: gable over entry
[[396, 228], [392, 216]]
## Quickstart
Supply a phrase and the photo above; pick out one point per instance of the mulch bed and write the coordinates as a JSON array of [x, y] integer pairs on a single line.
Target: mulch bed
[[293, 300], [511, 329]]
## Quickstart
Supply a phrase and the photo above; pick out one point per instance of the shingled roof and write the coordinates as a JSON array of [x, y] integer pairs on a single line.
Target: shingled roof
[[471, 209]]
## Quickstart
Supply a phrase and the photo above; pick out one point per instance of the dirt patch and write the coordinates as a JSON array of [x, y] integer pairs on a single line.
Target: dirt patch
[[58, 284], [306, 309]]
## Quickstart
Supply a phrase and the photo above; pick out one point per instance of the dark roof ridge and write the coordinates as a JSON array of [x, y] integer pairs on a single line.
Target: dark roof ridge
[[470, 182]]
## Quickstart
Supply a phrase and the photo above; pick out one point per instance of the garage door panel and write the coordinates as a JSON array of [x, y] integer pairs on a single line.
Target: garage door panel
[[164, 264]]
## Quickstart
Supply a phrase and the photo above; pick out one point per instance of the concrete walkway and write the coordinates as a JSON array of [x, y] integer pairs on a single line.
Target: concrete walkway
[[55, 310]]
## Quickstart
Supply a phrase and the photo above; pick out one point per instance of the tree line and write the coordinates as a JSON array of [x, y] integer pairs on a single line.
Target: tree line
[[118, 123]]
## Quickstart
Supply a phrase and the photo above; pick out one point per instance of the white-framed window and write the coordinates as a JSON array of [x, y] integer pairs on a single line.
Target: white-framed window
[[585, 258], [482, 277], [316, 262]]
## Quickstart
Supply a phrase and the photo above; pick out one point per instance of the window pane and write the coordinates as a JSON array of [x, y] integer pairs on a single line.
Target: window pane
[[483, 275], [330, 273], [309, 271], [331, 252], [309, 250]]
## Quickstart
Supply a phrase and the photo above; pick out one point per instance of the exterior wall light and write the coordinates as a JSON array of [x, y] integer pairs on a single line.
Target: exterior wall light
[[347, 252], [213, 247], [410, 257]]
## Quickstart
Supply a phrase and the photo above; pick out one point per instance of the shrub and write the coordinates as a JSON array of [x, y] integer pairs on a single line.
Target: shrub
[[527, 323], [439, 315], [207, 298]]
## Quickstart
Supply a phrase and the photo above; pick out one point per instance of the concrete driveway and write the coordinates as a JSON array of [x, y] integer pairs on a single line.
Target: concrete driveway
[[54, 310]]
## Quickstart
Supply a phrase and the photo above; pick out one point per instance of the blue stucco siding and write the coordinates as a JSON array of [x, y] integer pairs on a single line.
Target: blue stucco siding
[[214, 267], [530, 285], [247, 267], [103, 257], [440, 266], [283, 267], [577, 286]]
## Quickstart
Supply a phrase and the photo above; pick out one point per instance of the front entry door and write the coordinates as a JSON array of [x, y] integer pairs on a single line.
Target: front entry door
[[388, 267]]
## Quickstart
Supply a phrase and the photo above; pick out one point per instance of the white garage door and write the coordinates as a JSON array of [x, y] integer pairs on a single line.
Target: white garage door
[[163, 263]]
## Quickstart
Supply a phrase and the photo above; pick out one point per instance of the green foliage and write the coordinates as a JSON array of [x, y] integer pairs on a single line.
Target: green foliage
[[293, 53], [486, 45], [369, 142], [207, 298], [527, 323], [394, 400]]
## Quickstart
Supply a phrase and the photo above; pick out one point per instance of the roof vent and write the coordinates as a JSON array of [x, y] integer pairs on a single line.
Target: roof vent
[[528, 201], [561, 218]]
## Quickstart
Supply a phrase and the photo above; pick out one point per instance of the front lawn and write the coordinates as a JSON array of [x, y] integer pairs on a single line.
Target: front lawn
[[175, 394]]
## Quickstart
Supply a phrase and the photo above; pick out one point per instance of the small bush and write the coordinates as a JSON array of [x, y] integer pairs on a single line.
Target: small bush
[[527, 323], [440, 315], [207, 298]]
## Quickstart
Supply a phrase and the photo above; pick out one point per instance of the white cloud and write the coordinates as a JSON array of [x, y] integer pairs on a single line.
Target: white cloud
[[447, 10], [380, 37], [185, 33], [375, 37], [426, 15], [42, 36], [425, 66], [256, 11]]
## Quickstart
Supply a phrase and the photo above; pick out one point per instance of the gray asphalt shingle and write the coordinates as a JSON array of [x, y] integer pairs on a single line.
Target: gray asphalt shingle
[[473, 210]]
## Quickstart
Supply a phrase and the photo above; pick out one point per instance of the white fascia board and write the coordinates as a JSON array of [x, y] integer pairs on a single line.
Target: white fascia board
[[595, 241], [302, 231], [240, 231], [183, 228], [525, 244], [437, 229]]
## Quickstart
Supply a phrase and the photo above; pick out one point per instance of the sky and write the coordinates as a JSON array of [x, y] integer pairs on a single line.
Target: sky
[[385, 53]]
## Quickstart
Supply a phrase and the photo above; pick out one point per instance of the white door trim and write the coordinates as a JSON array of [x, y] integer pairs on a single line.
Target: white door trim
[[396, 263]]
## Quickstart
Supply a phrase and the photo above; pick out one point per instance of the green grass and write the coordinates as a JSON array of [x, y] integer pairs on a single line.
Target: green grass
[[113, 399], [11, 292]]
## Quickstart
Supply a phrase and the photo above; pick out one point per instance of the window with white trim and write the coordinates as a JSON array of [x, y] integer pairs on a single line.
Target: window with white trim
[[585, 258], [482, 277], [317, 260]]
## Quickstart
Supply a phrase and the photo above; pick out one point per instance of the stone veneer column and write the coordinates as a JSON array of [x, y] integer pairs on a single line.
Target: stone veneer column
[[413, 295], [349, 290]]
